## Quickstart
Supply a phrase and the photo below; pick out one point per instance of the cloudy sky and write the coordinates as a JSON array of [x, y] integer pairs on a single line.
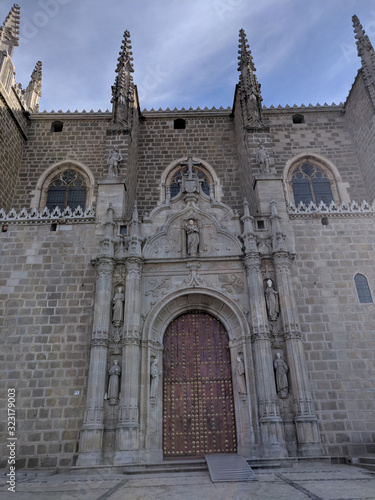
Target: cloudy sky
[[185, 51]]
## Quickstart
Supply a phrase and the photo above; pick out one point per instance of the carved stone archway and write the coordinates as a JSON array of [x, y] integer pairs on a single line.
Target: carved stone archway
[[234, 321]]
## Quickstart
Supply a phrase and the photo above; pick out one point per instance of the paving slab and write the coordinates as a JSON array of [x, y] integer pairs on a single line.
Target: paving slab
[[307, 482]]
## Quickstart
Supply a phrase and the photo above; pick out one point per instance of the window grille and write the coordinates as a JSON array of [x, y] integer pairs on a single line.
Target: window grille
[[310, 183], [363, 289], [68, 189]]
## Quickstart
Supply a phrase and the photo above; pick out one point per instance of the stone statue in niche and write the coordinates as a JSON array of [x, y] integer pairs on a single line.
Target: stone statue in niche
[[281, 370], [154, 372], [113, 161], [241, 375], [114, 381], [192, 238], [263, 158], [272, 301], [118, 306]]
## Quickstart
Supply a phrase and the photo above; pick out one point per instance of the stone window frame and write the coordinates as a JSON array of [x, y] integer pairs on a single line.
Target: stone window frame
[[361, 292], [338, 187], [171, 169], [57, 126], [40, 194]]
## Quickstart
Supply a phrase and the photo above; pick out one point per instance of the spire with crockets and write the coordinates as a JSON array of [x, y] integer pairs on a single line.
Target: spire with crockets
[[123, 89], [10, 31], [34, 89], [249, 88], [367, 55]]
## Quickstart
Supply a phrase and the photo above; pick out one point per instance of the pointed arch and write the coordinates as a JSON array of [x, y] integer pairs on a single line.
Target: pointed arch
[[311, 177], [84, 174], [204, 168]]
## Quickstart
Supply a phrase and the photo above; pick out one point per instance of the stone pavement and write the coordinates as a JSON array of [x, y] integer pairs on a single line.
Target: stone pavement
[[301, 482]]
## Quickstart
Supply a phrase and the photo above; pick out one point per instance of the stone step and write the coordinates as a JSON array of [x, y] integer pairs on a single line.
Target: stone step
[[229, 467], [367, 460], [364, 462], [197, 465]]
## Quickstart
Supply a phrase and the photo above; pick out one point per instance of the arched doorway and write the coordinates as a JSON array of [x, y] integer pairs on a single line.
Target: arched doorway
[[198, 408]]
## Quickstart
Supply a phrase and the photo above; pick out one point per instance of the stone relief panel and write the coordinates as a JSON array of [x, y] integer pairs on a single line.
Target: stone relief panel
[[226, 277], [191, 233]]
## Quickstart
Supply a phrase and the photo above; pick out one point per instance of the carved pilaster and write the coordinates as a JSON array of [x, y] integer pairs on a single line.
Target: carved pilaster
[[308, 437], [91, 437], [127, 430], [258, 312], [269, 418]]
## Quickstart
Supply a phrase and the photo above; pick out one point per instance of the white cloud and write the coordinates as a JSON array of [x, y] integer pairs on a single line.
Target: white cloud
[[185, 51]]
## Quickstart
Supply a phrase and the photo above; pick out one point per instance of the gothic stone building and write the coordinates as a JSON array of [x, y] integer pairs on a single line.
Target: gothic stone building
[[176, 283]]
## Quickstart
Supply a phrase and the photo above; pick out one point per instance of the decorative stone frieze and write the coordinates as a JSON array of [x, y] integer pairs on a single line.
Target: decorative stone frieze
[[66, 216], [333, 209]]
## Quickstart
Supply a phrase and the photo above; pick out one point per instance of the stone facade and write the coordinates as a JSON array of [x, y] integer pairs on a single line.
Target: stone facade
[[187, 211]]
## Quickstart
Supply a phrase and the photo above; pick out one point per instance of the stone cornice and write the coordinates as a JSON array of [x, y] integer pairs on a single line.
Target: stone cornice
[[71, 115]]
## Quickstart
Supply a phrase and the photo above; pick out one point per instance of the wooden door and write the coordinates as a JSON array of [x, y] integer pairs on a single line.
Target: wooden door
[[198, 410]]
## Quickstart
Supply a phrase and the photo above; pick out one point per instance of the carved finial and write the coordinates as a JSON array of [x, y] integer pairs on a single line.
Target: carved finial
[[135, 234], [246, 208], [123, 89], [107, 243], [34, 89], [249, 87], [9, 32], [135, 218], [367, 55]]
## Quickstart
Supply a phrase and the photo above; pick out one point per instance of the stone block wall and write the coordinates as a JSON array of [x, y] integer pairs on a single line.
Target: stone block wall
[[360, 118], [338, 331], [82, 139], [209, 136], [325, 133], [46, 301]]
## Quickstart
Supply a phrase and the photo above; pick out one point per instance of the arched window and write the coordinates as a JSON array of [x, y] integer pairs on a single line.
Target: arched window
[[311, 183], [179, 124], [177, 174], [176, 179], [67, 189], [57, 126], [363, 289], [312, 178], [298, 118]]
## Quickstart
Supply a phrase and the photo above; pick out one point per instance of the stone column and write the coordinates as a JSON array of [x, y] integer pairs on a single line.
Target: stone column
[[271, 425], [127, 431], [308, 436], [91, 436]]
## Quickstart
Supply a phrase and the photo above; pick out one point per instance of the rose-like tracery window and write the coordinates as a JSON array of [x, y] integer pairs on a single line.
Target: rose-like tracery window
[[310, 183], [67, 189]]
